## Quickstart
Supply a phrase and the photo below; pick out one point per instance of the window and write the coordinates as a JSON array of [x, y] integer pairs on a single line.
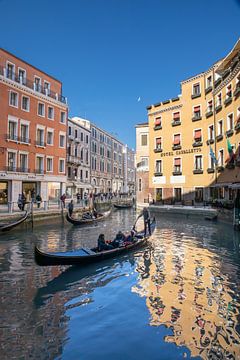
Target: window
[[86, 157], [197, 111], [24, 133], [10, 71], [46, 88], [22, 76], [41, 109], [50, 113], [139, 184], [49, 164], [25, 103], [86, 139], [198, 194], [76, 133], [211, 162], [11, 161], [158, 166], [177, 165], [23, 162], [61, 165], [229, 92], [220, 127], [211, 132], [108, 167], [86, 174], [219, 99], [230, 122], [61, 141], [210, 106], [81, 154], [176, 140], [37, 84], [81, 136], [198, 135], [198, 162], [12, 130], [40, 137], [158, 143], [177, 194], [209, 81], [39, 165], [176, 116], [144, 139], [63, 117], [69, 130], [13, 99], [220, 157], [196, 89], [158, 121], [50, 137]]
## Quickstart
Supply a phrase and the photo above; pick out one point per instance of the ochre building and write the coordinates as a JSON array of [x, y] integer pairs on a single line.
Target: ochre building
[[194, 139]]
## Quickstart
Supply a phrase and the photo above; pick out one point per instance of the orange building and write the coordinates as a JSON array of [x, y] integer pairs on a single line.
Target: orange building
[[33, 132]]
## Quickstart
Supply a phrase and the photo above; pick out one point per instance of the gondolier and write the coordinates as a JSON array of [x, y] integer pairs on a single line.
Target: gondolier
[[146, 218]]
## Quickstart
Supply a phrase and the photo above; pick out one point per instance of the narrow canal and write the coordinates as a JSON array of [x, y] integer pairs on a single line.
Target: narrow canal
[[177, 298]]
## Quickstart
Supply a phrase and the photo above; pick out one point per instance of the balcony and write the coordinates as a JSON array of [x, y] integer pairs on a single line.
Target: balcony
[[226, 73], [196, 117], [209, 113], [77, 140], [70, 137], [12, 168], [210, 141], [197, 95], [217, 82], [39, 171], [208, 89], [158, 150], [176, 122], [228, 101], [219, 137], [32, 85], [197, 143], [229, 132], [218, 108], [237, 90], [237, 126], [177, 147], [40, 143], [24, 140], [157, 127], [74, 160], [210, 170], [158, 173], [11, 137], [23, 169], [176, 173], [198, 171]]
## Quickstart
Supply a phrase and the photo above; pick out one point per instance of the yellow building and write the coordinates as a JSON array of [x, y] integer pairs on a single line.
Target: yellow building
[[186, 130]]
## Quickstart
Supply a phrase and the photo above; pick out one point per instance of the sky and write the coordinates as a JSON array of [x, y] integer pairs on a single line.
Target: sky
[[116, 57]]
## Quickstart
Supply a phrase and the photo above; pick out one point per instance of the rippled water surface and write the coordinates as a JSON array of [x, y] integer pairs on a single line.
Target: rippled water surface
[[177, 298]]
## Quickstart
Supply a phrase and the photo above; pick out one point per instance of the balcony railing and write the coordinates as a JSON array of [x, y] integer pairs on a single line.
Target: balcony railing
[[196, 117], [40, 171], [198, 171], [32, 85], [229, 132], [210, 141], [74, 160], [197, 143], [11, 168], [176, 146], [176, 122], [219, 137], [210, 170], [218, 108], [157, 127], [177, 172], [228, 101], [16, 138], [24, 139], [23, 169], [158, 173], [158, 150], [237, 90], [194, 96], [208, 89], [209, 113]]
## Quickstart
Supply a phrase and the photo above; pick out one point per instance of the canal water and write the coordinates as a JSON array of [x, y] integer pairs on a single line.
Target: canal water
[[178, 298]]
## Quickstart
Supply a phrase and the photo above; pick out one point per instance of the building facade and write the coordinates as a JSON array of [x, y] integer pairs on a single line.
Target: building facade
[[194, 139], [78, 157], [129, 170], [33, 132], [142, 163]]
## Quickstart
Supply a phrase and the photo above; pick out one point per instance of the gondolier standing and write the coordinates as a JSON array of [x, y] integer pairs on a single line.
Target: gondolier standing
[[146, 218]]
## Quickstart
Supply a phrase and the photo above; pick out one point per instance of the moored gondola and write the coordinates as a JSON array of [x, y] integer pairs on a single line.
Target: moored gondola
[[84, 256], [8, 226], [101, 216], [123, 206]]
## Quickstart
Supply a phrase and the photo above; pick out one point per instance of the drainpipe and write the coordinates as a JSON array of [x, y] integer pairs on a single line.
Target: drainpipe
[[215, 129]]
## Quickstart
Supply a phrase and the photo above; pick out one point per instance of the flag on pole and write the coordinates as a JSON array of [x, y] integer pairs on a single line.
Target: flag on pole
[[211, 153], [230, 151]]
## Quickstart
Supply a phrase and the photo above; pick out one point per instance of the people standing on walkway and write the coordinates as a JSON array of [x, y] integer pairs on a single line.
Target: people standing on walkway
[[63, 199], [23, 201], [70, 208], [39, 200], [78, 197]]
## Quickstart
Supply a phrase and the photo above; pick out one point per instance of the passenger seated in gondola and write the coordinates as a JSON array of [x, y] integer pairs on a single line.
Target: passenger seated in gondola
[[119, 240], [102, 245], [86, 216], [94, 214]]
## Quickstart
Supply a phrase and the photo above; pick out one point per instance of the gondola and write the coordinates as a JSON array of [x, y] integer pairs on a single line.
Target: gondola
[[84, 256], [8, 226], [123, 206], [100, 217]]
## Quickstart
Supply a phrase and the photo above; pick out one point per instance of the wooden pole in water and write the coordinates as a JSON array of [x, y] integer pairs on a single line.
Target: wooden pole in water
[[32, 212]]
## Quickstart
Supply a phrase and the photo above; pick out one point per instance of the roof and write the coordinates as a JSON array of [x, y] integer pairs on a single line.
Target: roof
[[142, 125], [228, 59], [7, 52]]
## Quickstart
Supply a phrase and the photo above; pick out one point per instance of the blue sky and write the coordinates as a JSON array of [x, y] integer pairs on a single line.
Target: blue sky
[[108, 53]]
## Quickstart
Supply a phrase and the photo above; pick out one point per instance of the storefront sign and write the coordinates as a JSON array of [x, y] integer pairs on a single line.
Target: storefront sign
[[181, 152]]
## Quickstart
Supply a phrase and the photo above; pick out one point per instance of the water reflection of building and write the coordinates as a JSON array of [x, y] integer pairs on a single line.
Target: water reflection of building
[[186, 291]]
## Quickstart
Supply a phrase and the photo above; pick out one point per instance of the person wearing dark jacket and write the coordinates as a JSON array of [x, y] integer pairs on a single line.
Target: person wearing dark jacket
[[70, 208], [146, 219], [102, 245]]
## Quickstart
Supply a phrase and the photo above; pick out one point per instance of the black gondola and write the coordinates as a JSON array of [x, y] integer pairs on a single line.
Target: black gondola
[[84, 256], [8, 226], [100, 217], [123, 206]]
